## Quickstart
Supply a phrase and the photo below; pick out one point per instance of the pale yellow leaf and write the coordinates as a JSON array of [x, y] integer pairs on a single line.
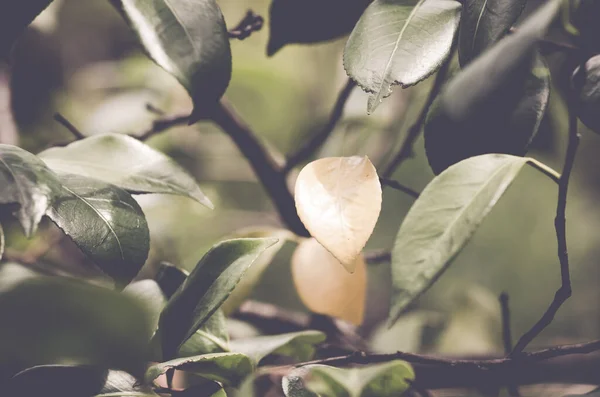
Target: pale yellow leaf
[[325, 287], [339, 199]]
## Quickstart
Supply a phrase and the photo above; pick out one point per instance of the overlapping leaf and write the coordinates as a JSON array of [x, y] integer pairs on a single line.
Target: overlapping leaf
[[149, 294], [212, 337], [588, 108], [83, 380]]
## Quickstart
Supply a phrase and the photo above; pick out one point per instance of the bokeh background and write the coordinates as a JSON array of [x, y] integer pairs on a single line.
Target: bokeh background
[[80, 59]]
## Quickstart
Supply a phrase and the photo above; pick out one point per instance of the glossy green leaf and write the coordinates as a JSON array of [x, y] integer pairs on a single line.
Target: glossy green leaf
[[149, 294], [382, 380], [442, 221], [188, 39], [227, 368], [206, 288], [588, 109], [501, 113], [55, 320], [26, 181], [125, 162], [50, 380], [212, 337], [298, 345], [399, 42], [105, 222], [328, 20], [483, 23]]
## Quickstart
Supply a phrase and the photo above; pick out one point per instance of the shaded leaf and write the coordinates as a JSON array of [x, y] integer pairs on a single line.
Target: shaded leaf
[[293, 384], [339, 200], [442, 221], [15, 16], [328, 19], [170, 277], [188, 39], [50, 380], [55, 320], [212, 337], [25, 180], [499, 114], [227, 368], [206, 288], [483, 23], [298, 345], [325, 287], [588, 107], [585, 19], [149, 294], [399, 42], [121, 384], [124, 162], [105, 222]]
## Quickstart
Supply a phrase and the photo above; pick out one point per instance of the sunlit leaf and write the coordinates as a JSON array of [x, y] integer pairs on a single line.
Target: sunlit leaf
[[339, 199], [442, 221], [483, 23], [399, 42], [212, 337], [298, 345], [124, 162], [227, 368], [25, 180], [499, 114], [206, 288], [149, 294], [325, 287], [188, 39], [50, 380], [588, 109], [105, 222]]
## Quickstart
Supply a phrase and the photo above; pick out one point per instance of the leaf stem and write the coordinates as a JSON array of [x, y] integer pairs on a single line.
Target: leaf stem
[[544, 169]]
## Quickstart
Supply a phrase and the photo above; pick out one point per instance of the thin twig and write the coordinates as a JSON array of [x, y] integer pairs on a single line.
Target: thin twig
[[163, 124], [320, 137], [398, 186], [513, 390], [378, 257], [251, 23], [69, 126]]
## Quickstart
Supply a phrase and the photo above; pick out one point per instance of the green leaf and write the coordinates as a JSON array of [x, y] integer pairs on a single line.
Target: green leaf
[[212, 337], [483, 23], [105, 222], [585, 19], [588, 106], [293, 384], [442, 221], [149, 294], [327, 20], [50, 380], [25, 180], [399, 42], [125, 162], [298, 345], [499, 114], [55, 320], [227, 368], [169, 277], [206, 288], [188, 39], [382, 380], [121, 384]]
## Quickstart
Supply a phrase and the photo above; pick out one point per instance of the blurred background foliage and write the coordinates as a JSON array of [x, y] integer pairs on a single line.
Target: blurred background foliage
[[80, 59]]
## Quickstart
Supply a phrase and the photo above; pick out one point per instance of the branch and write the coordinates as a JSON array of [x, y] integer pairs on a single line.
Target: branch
[[398, 186], [378, 257], [250, 23], [163, 124], [513, 390], [69, 126], [319, 138]]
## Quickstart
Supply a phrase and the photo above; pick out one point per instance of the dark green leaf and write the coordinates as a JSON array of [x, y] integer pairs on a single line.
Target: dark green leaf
[[169, 277], [483, 23], [54, 320], [298, 345], [293, 384], [50, 380], [499, 114], [227, 368], [585, 20], [15, 16], [588, 108], [25, 180], [442, 221], [124, 162], [188, 39], [399, 42], [149, 294], [105, 222], [212, 337], [327, 19], [207, 287]]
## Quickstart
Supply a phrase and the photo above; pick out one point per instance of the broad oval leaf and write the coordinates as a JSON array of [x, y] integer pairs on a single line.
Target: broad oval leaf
[[188, 39], [149, 294], [124, 162], [325, 287], [298, 345], [442, 221], [327, 19], [501, 113], [105, 222], [227, 368], [212, 337], [588, 109], [339, 200], [206, 288], [293, 383], [483, 23], [399, 42], [169, 278], [25, 180]]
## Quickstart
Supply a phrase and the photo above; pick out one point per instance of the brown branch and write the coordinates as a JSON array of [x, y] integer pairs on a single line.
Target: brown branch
[[309, 148], [69, 126], [378, 257], [398, 186], [251, 23], [513, 390], [163, 124]]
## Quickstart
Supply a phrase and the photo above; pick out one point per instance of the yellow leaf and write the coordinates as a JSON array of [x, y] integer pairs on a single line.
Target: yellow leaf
[[339, 199], [325, 287]]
